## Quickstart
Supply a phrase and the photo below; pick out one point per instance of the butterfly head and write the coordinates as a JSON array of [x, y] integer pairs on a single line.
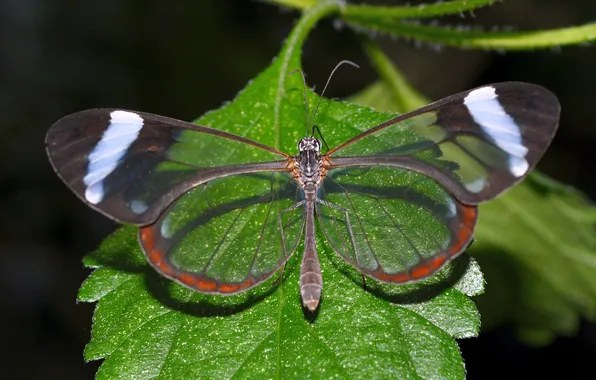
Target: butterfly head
[[309, 143]]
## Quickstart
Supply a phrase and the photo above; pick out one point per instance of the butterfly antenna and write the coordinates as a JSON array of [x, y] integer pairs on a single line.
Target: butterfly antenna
[[305, 98], [329, 80], [315, 128]]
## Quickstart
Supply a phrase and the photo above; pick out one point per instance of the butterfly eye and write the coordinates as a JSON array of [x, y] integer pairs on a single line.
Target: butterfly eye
[[303, 144]]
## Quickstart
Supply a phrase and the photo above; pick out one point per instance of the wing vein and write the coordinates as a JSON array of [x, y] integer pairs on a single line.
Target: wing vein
[[364, 233], [221, 241], [401, 231]]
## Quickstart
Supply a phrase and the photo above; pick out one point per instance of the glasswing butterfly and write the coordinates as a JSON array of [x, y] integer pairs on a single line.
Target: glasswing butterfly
[[397, 201]]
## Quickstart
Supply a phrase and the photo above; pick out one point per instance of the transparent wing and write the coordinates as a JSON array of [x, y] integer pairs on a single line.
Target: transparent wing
[[228, 235], [392, 224], [131, 165], [476, 143]]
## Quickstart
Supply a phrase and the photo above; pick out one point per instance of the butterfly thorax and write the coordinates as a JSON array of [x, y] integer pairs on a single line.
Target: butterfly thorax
[[308, 169]]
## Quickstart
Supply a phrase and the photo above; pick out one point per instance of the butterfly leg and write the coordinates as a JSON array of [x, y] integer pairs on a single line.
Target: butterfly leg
[[283, 237], [280, 276], [281, 224], [348, 224]]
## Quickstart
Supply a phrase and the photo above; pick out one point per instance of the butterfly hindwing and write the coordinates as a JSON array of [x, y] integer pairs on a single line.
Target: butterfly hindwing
[[228, 235], [393, 224]]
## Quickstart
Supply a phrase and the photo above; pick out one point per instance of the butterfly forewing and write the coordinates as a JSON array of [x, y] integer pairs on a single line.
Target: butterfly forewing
[[476, 143], [391, 223], [227, 235], [132, 165]]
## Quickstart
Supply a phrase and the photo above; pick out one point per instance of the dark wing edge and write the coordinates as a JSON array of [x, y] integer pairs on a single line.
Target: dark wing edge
[[200, 283]]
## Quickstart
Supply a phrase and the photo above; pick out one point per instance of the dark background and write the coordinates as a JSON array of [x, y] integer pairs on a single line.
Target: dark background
[[183, 58]]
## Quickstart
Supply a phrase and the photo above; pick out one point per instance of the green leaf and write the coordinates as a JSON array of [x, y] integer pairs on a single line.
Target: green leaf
[[146, 326], [535, 243], [474, 39]]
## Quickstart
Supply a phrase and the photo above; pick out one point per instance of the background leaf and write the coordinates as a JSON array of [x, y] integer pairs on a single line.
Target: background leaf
[[363, 11], [372, 13], [145, 326], [399, 21], [478, 39], [536, 243]]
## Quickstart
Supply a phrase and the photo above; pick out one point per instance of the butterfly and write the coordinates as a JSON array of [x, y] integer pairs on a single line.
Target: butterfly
[[220, 213]]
